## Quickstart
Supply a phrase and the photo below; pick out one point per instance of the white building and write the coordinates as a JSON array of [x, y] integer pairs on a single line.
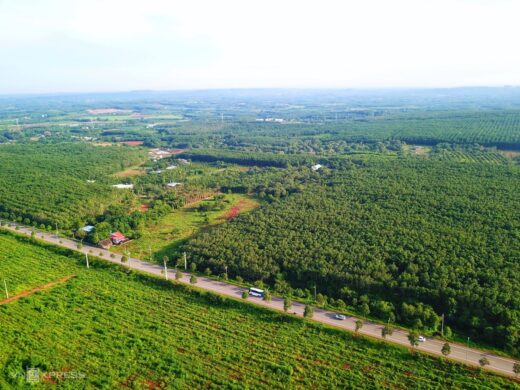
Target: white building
[[87, 229], [123, 186]]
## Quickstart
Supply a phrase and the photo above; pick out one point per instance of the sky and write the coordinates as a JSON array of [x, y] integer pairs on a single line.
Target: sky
[[52, 46]]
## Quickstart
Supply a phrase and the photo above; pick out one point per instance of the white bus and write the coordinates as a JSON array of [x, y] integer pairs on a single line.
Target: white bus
[[256, 292]]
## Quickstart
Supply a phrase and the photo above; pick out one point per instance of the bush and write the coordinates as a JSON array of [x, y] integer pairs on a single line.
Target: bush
[[287, 303]]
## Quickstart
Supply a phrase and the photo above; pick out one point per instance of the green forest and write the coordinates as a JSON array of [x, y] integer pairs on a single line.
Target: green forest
[[408, 239], [59, 183]]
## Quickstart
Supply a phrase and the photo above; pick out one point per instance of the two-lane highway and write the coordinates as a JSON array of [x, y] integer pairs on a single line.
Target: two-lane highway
[[460, 353]]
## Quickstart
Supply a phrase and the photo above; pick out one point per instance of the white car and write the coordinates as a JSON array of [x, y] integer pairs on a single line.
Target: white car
[[340, 317], [422, 339]]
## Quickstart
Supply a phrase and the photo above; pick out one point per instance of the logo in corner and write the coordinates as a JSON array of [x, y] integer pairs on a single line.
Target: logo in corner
[[32, 375]]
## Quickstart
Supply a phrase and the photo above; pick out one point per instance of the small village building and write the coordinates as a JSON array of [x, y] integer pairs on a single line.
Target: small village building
[[316, 167], [172, 184], [118, 238], [87, 229], [123, 186]]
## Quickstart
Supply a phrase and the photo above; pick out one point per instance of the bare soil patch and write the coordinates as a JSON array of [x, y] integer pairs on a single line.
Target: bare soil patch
[[132, 143], [130, 172]]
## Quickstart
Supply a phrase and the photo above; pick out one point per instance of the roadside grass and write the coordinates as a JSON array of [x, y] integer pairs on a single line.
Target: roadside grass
[[120, 328]]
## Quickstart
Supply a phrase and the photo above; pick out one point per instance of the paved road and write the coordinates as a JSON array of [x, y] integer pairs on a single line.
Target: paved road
[[460, 353]]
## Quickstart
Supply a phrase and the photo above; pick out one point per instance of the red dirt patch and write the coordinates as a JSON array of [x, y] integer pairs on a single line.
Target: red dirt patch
[[132, 143], [144, 208], [151, 384], [191, 199], [35, 290], [346, 366], [237, 209]]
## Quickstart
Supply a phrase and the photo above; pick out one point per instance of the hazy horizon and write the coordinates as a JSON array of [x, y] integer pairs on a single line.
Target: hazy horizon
[[58, 46]]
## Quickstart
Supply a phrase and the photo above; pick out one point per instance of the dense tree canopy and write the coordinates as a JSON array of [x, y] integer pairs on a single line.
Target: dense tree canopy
[[406, 237]]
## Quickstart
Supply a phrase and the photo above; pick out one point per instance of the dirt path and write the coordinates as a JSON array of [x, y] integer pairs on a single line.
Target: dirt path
[[35, 290]]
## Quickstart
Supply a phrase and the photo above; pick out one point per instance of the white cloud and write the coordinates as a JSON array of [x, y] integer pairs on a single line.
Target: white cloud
[[229, 43]]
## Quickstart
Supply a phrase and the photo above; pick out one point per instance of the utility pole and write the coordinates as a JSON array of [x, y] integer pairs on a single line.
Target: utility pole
[[314, 293], [150, 250], [185, 262], [56, 224], [467, 350], [442, 325], [165, 268], [86, 258], [6, 292], [225, 267]]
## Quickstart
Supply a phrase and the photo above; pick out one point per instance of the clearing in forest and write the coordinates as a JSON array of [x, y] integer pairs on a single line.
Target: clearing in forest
[[172, 230], [130, 172]]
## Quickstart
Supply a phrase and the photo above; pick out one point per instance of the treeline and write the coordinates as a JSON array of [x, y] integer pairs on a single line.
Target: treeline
[[250, 159], [406, 239]]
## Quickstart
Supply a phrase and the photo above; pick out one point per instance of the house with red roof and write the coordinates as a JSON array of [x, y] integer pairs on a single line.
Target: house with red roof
[[118, 238]]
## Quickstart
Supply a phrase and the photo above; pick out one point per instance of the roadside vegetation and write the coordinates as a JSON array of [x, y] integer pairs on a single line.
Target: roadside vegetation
[[158, 334]]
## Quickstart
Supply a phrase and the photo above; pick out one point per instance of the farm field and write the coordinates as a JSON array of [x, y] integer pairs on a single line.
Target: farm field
[[159, 335], [15, 260], [166, 236]]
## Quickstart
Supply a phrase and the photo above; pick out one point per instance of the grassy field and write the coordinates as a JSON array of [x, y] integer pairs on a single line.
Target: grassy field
[[129, 172], [165, 237], [108, 328]]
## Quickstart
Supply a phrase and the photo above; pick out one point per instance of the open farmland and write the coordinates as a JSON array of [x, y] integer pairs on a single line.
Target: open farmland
[[157, 334]]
